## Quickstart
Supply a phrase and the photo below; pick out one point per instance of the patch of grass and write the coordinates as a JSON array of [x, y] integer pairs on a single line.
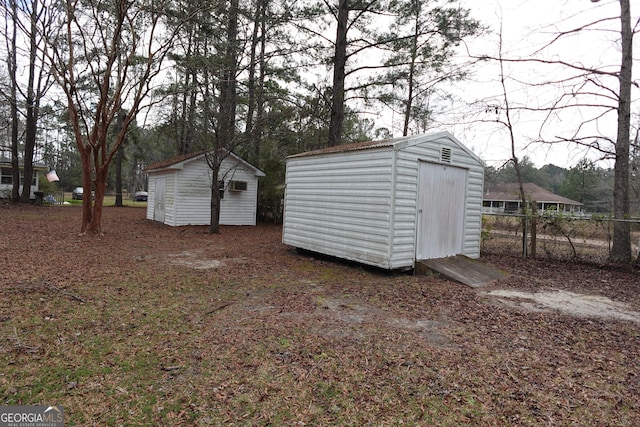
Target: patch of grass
[[109, 200]]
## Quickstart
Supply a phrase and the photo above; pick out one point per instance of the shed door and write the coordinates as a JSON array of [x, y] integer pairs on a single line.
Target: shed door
[[158, 199], [441, 205]]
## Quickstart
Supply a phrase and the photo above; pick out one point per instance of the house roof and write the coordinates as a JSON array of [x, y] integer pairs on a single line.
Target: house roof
[[173, 160], [36, 166], [511, 193], [396, 143], [178, 162]]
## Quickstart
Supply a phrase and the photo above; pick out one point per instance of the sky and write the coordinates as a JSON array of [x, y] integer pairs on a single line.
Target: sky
[[527, 25]]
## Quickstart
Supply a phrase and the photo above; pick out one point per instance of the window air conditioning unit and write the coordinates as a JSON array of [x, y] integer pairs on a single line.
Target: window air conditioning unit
[[237, 185]]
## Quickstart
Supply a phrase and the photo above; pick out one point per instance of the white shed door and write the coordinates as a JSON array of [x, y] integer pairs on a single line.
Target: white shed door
[[441, 204], [158, 200]]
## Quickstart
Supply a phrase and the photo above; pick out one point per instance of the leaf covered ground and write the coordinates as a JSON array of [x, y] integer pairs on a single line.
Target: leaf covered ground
[[153, 325]]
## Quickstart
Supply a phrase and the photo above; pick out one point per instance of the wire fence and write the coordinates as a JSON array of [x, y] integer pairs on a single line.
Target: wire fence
[[554, 236]]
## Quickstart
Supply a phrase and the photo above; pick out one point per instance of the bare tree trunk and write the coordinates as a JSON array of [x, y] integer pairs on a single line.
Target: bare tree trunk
[[621, 248], [32, 107], [259, 122], [226, 114], [214, 224], [12, 62], [523, 196], [118, 172], [85, 157], [95, 226], [184, 123], [514, 158], [189, 118], [410, 82], [119, 160], [339, 69], [534, 229], [251, 82], [227, 111]]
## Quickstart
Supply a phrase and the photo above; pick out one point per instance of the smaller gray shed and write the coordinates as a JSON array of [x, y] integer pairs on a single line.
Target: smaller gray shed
[[386, 203]]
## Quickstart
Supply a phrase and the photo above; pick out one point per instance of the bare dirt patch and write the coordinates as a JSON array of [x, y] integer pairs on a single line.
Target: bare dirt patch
[[154, 325], [200, 260], [569, 303]]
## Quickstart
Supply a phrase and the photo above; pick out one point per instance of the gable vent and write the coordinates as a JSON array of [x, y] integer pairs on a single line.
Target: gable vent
[[445, 155]]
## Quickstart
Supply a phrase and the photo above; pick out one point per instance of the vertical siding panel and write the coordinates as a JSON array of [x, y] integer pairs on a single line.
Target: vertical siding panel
[[151, 197], [170, 204], [339, 205], [193, 196]]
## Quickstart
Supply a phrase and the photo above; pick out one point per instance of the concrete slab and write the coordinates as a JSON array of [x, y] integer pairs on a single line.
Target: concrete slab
[[460, 268]]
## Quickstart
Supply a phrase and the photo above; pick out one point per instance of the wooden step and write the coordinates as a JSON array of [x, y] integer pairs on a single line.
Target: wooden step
[[460, 268]]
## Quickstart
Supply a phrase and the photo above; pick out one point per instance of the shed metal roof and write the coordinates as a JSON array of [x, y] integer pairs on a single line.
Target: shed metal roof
[[397, 143], [178, 162]]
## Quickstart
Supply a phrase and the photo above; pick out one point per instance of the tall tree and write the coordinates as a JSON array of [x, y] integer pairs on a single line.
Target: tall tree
[[508, 123], [11, 31], [339, 73], [271, 70], [224, 138], [38, 83], [255, 84], [193, 26], [354, 36], [421, 45], [590, 87], [621, 242], [98, 35], [26, 23], [119, 160], [621, 247]]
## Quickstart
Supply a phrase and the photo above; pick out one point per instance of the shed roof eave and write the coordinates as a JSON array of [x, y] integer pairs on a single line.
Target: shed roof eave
[[179, 165], [166, 168], [395, 144]]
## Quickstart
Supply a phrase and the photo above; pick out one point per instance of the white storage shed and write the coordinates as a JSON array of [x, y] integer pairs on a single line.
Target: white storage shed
[[386, 203], [180, 191]]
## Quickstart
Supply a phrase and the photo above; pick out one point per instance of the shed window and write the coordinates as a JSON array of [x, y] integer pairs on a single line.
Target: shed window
[[445, 155], [7, 176]]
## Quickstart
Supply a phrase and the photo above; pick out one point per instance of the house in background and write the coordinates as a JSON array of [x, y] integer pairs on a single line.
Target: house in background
[[505, 198], [179, 191], [386, 203], [6, 179]]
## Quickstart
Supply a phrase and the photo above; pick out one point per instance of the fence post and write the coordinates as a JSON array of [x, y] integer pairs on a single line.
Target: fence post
[[534, 228], [525, 231]]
